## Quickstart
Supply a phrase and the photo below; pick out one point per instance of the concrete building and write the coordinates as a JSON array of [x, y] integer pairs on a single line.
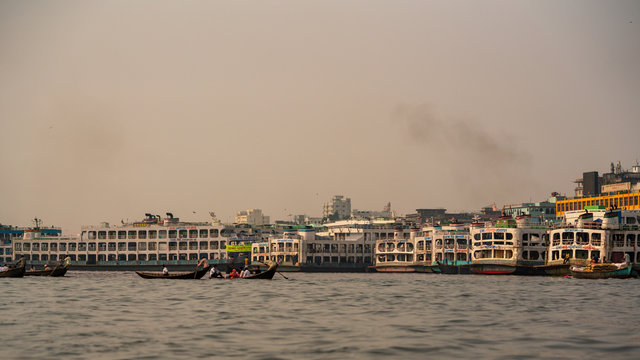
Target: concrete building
[[338, 208], [386, 213], [251, 217]]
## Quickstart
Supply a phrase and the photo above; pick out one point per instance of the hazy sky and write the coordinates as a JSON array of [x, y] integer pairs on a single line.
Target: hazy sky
[[110, 109]]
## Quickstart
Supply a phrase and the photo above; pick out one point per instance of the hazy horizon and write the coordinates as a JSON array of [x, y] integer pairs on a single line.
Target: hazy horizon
[[111, 109]]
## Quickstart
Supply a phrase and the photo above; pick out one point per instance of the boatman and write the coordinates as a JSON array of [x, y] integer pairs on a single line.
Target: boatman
[[165, 271]]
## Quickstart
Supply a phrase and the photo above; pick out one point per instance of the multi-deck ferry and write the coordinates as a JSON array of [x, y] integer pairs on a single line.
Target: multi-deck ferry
[[451, 247], [395, 254], [593, 234], [513, 246], [151, 242]]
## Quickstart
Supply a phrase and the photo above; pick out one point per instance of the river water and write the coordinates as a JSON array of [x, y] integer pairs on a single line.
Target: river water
[[117, 315]]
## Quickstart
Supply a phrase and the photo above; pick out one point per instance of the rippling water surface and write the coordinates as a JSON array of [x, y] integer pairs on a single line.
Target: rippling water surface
[[117, 315]]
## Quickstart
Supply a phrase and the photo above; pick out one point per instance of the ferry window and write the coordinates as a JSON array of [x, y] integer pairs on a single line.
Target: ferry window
[[213, 233], [626, 201], [102, 235], [82, 246], [351, 248], [631, 220], [44, 257], [635, 201], [153, 257], [582, 238], [122, 246], [438, 243], [288, 247], [112, 234], [82, 257], [476, 236], [367, 249], [18, 247], [525, 255], [508, 254], [595, 239], [565, 253], [343, 248], [36, 247], [534, 255], [45, 247], [214, 245], [618, 240], [525, 237], [183, 234], [131, 246], [567, 238], [582, 254], [153, 234], [142, 257], [486, 236], [173, 234], [162, 234], [112, 246], [555, 255], [72, 257], [152, 246], [142, 234], [174, 245], [122, 235], [461, 257], [53, 257], [142, 246], [498, 236], [391, 246], [204, 233], [181, 246], [204, 245], [223, 245], [226, 232], [162, 257], [334, 248], [102, 246], [280, 246], [92, 246], [420, 245], [92, 235], [131, 257], [35, 257], [54, 246], [193, 245], [72, 246]]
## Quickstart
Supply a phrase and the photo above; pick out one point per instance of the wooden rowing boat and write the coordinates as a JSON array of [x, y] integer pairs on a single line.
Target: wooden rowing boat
[[602, 271], [57, 271], [267, 274], [196, 274], [17, 271]]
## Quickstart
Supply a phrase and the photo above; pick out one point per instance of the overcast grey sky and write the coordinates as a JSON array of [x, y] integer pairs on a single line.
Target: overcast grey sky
[[110, 109]]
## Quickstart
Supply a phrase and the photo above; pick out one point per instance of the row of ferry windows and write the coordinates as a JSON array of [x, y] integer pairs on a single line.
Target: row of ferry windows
[[122, 246], [335, 248], [158, 234], [402, 246], [126, 257], [608, 202]]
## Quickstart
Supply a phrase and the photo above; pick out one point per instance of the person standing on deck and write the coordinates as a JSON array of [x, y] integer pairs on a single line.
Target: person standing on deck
[[165, 271]]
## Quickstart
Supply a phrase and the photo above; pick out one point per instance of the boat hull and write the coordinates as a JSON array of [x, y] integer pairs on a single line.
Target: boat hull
[[493, 268], [454, 269], [194, 275], [16, 272], [395, 269], [580, 273]]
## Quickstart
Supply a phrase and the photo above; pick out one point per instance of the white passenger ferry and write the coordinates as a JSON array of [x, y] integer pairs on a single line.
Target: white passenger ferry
[[513, 246], [151, 242], [396, 254], [451, 248], [593, 235], [342, 246]]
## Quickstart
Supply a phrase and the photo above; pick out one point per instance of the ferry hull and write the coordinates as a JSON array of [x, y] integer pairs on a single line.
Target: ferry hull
[[395, 269], [492, 269], [454, 269]]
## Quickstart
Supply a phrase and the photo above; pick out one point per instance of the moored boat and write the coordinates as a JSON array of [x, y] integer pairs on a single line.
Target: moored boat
[[196, 274], [16, 271], [602, 271]]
